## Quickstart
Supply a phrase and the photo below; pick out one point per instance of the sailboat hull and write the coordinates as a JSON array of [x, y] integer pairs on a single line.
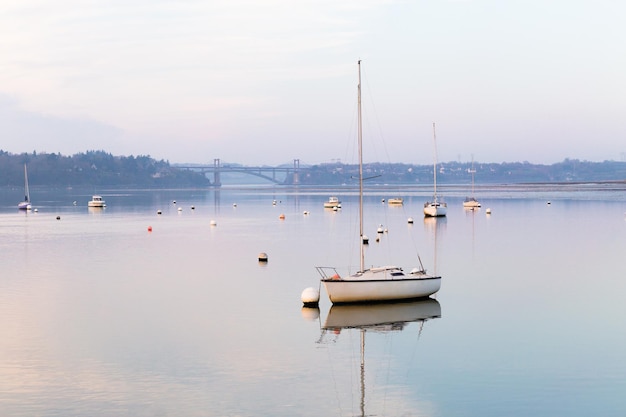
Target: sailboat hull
[[471, 203], [377, 290], [435, 209], [24, 205]]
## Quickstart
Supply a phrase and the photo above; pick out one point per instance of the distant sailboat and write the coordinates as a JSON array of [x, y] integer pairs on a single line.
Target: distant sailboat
[[435, 208], [384, 283], [25, 205], [471, 202]]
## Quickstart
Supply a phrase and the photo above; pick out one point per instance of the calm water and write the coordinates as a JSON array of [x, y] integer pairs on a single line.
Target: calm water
[[101, 317]]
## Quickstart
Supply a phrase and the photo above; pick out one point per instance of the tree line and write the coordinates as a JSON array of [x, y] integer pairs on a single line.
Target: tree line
[[94, 168]]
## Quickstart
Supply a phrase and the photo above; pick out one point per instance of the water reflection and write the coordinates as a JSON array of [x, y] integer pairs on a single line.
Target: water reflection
[[382, 318]]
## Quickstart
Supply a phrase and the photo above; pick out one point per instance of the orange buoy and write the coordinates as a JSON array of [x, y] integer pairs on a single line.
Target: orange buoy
[[282, 217]]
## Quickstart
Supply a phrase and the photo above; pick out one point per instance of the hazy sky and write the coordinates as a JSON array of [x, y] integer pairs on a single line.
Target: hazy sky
[[265, 82]]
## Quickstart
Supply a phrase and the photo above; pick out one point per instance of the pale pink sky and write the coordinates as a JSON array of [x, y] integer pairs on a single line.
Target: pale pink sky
[[266, 82]]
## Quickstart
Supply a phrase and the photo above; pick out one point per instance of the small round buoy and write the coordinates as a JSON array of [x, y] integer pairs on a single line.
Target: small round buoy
[[383, 200], [410, 220], [234, 204], [335, 208], [36, 210], [149, 228], [366, 240], [58, 217], [306, 212], [380, 229], [274, 202], [213, 223], [549, 203], [262, 257], [193, 207], [310, 296], [173, 201], [180, 209], [282, 217], [158, 211], [488, 211]]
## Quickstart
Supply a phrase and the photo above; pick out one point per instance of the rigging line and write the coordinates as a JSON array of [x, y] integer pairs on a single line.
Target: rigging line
[[414, 351], [388, 354], [373, 106], [333, 377]]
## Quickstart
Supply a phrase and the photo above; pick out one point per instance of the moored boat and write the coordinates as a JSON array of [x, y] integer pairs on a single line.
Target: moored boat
[[332, 202], [375, 284], [25, 205], [435, 208], [96, 201]]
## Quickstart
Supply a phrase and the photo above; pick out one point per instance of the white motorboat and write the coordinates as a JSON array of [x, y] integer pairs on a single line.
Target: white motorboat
[[96, 201], [384, 283], [333, 202]]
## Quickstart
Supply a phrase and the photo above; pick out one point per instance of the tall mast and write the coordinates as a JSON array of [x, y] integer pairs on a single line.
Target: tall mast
[[435, 161], [26, 190], [360, 135], [473, 171]]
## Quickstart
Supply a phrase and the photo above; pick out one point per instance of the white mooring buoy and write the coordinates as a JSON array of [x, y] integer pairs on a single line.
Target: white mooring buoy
[[262, 257], [310, 296], [213, 223], [488, 211], [410, 220]]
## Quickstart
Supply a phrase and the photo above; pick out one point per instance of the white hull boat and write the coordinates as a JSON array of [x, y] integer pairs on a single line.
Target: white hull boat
[[386, 283], [96, 201], [471, 202], [25, 205], [333, 202], [435, 208]]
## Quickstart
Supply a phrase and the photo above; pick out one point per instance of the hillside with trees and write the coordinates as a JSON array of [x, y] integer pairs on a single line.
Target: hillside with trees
[[99, 168], [94, 168]]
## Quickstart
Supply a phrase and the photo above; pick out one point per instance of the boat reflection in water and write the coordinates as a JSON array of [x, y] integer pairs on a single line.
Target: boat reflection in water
[[378, 318], [381, 316]]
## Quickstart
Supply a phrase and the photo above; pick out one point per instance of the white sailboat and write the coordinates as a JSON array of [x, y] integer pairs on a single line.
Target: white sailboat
[[384, 283], [471, 202], [25, 205], [435, 208]]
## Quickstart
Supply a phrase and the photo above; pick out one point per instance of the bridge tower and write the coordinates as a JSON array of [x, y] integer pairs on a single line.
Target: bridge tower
[[296, 171], [217, 182]]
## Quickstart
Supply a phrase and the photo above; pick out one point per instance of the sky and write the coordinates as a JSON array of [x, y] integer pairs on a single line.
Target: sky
[[266, 82]]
